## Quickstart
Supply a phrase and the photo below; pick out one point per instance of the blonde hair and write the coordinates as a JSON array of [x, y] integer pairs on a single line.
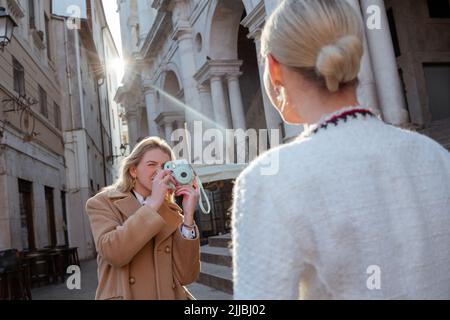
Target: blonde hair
[[125, 183], [321, 39]]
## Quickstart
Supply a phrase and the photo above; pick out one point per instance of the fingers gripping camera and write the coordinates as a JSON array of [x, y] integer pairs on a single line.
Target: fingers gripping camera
[[181, 171], [184, 174]]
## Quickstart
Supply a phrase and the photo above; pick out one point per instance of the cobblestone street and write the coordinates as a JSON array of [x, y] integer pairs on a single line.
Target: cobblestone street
[[89, 285]]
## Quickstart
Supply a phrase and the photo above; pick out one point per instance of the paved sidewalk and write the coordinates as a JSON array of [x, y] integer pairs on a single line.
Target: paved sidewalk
[[61, 292], [89, 285]]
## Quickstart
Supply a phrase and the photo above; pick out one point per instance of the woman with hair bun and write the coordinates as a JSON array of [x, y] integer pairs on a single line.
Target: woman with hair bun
[[358, 209]]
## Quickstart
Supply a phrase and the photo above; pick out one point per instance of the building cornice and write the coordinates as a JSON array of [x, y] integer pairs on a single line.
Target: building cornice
[[255, 20], [160, 29], [15, 9], [218, 68], [169, 117]]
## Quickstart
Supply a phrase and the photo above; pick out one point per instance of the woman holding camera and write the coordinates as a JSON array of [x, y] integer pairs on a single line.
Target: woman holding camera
[[148, 247], [358, 209]]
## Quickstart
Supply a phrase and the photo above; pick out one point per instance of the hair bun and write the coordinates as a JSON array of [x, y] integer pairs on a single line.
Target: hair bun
[[339, 62]]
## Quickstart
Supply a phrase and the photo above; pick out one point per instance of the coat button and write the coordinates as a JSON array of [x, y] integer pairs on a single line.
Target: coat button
[[132, 280], [167, 250]]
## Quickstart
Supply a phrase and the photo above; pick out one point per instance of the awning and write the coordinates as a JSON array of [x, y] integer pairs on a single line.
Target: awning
[[212, 173]]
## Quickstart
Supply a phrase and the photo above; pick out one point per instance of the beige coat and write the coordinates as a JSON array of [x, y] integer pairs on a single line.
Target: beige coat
[[141, 253]]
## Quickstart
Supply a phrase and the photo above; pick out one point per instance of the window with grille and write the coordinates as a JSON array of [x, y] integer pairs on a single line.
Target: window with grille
[[57, 117], [43, 102], [19, 77], [31, 14]]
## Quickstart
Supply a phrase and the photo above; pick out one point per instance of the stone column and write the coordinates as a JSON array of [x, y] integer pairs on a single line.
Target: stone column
[[221, 113], [188, 140], [367, 90], [161, 132], [144, 129], [207, 106], [236, 105], [150, 104], [208, 122], [132, 128], [168, 131], [390, 91], [237, 114], [183, 35], [192, 97]]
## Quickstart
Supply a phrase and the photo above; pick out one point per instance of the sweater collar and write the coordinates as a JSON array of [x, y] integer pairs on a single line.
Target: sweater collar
[[343, 114]]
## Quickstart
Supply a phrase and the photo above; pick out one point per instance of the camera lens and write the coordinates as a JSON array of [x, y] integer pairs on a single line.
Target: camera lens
[[183, 174]]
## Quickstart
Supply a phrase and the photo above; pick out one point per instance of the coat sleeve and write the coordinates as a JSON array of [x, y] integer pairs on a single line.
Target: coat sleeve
[[266, 262], [118, 243], [186, 256]]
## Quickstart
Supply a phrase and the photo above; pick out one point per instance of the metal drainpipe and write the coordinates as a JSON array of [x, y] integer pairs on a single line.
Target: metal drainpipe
[[101, 131], [107, 93]]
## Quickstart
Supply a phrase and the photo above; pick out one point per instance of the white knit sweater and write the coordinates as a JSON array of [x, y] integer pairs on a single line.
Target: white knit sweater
[[360, 210]]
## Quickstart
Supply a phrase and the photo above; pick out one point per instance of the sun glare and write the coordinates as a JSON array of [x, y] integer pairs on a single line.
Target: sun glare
[[118, 65]]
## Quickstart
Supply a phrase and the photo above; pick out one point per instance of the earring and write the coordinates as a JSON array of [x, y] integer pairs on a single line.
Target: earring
[[281, 97], [134, 181]]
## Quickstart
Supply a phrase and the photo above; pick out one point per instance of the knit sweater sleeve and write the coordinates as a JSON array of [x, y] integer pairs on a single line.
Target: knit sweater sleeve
[[266, 258]]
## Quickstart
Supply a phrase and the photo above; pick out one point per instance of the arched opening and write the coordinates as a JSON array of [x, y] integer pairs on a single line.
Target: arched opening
[[224, 29], [171, 111], [229, 41], [173, 89], [252, 92], [143, 124]]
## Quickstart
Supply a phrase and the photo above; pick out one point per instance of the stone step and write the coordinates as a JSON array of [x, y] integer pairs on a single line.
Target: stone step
[[202, 292], [223, 241], [217, 277], [216, 255]]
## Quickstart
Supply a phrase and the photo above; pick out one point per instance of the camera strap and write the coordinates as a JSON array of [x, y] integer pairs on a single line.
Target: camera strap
[[203, 195], [199, 183]]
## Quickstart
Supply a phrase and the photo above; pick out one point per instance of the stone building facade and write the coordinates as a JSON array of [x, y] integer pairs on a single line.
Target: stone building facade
[[60, 131]]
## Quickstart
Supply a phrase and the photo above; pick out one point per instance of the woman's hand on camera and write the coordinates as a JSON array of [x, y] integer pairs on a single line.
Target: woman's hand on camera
[[191, 196], [160, 187]]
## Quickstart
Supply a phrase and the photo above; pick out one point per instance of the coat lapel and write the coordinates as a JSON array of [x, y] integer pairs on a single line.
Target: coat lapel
[[128, 205], [125, 202]]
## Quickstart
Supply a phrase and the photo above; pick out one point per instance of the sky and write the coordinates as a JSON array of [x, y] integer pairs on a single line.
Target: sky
[[113, 21]]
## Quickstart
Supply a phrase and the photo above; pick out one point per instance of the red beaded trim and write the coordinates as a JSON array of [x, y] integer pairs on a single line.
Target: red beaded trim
[[343, 116]]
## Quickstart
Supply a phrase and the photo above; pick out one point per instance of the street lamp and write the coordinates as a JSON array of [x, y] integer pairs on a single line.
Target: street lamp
[[123, 150], [7, 25]]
